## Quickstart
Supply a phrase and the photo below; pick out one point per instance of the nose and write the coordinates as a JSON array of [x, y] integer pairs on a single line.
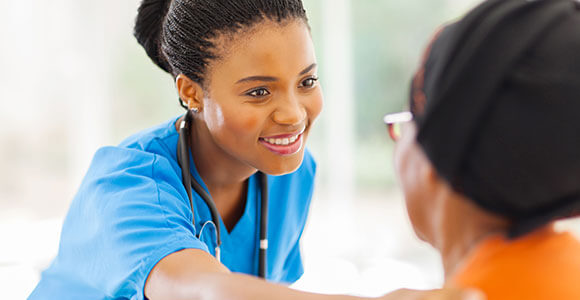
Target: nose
[[290, 111]]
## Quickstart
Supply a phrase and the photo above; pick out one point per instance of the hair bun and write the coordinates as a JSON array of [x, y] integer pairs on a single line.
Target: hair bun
[[148, 28]]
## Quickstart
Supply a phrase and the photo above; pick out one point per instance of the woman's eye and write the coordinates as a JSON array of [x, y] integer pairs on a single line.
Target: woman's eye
[[309, 82], [261, 92]]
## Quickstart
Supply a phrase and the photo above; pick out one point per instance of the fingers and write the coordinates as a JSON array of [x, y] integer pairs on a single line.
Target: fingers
[[455, 294], [473, 295], [445, 294]]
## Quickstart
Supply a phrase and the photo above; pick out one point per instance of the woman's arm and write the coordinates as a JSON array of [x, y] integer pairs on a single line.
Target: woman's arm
[[196, 275]]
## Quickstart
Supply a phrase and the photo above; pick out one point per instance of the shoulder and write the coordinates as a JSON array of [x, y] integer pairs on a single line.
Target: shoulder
[[524, 268], [129, 189], [143, 165], [123, 181], [149, 153], [114, 161], [157, 138]]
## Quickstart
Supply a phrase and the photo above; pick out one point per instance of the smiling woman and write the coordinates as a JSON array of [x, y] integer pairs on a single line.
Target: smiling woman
[[246, 72], [261, 94]]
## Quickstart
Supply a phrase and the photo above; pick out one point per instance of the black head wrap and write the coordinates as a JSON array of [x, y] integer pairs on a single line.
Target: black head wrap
[[497, 104]]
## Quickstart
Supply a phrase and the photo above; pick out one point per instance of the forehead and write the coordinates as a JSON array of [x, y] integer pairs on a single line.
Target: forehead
[[266, 48]]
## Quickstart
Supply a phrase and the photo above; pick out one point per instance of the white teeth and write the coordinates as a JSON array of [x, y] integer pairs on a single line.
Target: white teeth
[[283, 142]]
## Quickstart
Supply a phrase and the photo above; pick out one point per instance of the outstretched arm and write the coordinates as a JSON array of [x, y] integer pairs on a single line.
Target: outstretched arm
[[196, 275]]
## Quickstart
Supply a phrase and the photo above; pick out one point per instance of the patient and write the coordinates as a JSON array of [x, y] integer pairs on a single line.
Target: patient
[[491, 158]]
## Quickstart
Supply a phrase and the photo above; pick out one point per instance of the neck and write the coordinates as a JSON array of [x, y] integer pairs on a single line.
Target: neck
[[461, 228], [225, 177], [455, 250]]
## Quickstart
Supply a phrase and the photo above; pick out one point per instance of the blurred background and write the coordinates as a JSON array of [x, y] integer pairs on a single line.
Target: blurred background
[[73, 78]]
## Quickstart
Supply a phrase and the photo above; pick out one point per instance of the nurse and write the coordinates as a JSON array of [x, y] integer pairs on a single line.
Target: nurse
[[246, 73]]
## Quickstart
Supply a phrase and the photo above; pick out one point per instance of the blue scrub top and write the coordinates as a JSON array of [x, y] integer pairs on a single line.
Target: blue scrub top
[[132, 210]]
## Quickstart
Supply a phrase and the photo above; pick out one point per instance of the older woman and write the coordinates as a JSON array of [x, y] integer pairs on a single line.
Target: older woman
[[491, 158]]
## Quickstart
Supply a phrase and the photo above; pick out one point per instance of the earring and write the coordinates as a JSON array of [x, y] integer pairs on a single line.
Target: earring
[[195, 110]]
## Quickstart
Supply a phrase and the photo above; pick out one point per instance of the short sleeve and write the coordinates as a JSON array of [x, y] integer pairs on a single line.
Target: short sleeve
[[127, 216]]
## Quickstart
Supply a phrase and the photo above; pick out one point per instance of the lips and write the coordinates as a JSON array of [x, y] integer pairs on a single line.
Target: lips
[[285, 144]]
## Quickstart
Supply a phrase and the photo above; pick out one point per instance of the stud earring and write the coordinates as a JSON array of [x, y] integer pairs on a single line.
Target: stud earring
[[195, 110]]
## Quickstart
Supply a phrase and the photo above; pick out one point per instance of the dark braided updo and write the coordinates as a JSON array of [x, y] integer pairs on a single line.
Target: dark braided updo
[[178, 35]]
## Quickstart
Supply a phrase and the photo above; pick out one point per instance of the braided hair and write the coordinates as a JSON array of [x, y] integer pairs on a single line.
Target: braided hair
[[179, 35]]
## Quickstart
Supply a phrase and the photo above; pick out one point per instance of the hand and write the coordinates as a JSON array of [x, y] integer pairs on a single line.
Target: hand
[[445, 294]]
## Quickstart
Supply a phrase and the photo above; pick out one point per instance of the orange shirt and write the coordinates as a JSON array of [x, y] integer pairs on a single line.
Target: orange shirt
[[543, 265]]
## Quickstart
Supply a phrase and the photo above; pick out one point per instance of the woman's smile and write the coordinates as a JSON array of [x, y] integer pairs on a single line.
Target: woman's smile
[[284, 144]]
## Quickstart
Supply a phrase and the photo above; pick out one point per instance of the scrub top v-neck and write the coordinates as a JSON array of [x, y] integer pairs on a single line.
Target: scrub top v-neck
[[242, 239], [132, 210]]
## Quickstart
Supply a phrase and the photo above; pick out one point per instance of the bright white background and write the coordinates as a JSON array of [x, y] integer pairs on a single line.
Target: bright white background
[[72, 79]]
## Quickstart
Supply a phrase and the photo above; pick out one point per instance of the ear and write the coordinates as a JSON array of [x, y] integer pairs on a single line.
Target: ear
[[190, 92]]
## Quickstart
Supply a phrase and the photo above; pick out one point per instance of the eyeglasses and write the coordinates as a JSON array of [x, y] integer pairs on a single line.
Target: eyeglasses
[[394, 121]]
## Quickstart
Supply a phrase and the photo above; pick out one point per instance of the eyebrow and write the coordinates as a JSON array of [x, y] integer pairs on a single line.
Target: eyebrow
[[272, 79], [308, 69]]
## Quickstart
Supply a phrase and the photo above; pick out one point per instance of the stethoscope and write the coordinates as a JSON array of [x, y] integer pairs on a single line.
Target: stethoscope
[[189, 181]]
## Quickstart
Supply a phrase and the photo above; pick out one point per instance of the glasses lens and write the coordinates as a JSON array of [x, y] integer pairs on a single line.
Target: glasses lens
[[395, 131], [394, 122]]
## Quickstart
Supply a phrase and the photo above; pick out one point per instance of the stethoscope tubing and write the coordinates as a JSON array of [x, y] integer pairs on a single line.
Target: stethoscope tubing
[[263, 227], [183, 149]]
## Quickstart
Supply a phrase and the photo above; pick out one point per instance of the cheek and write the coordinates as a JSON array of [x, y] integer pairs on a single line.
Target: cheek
[[314, 105], [249, 123], [232, 123], [410, 181], [214, 116], [416, 210], [401, 162]]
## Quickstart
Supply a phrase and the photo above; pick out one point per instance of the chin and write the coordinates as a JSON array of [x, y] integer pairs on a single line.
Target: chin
[[283, 165], [420, 235], [418, 225], [424, 236]]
